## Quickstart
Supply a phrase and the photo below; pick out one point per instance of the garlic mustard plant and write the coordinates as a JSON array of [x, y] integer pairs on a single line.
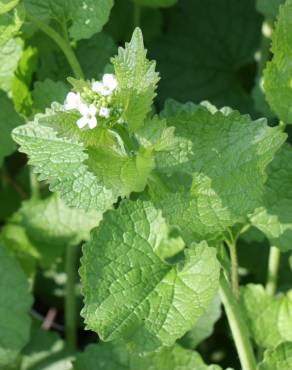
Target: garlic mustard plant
[[145, 185]]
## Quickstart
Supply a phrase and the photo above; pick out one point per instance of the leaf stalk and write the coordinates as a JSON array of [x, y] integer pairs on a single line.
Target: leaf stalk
[[71, 258], [237, 325], [62, 43], [273, 269]]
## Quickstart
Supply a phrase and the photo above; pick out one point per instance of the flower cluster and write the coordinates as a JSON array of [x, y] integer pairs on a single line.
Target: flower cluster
[[94, 102]]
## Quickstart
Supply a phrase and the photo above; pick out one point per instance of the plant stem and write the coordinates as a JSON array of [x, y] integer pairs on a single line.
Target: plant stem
[[34, 185], [70, 297], [267, 30], [62, 43], [273, 268], [237, 325], [234, 267], [137, 15]]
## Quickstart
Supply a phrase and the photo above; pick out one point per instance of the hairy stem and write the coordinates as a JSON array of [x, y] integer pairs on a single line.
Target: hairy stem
[[34, 185], [62, 43], [234, 267], [273, 269], [137, 15], [237, 325], [70, 297]]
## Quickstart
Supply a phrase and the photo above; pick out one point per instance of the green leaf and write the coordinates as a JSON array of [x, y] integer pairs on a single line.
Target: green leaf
[[277, 77], [269, 8], [156, 3], [91, 179], [279, 358], [85, 17], [269, 318], [206, 51], [103, 356], [95, 53], [204, 326], [7, 5], [46, 92], [45, 351], [156, 135], [115, 356], [175, 358], [218, 170], [15, 303], [130, 292], [10, 54], [137, 81], [8, 120], [273, 218], [261, 311], [21, 94], [285, 317], [51, 226], [14, 238], [10, 23]]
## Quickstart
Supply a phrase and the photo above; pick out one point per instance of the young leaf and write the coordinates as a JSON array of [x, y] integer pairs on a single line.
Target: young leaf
[[137, 81], [86, 17], [10, 23], [218, 170], [45, 351], [8, 120], [10, 54], [279, 358], [89, 180], [51, 226], [15, 303], [130, 292], [278, 73], [274, 217]]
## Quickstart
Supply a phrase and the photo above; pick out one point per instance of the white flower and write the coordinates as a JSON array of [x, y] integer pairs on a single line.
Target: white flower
[[72, 101], [110, 82], [88, 116], [107, 86], [97, 87], [104, 112]]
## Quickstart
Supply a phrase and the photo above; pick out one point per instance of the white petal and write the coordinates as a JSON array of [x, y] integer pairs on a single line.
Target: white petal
[[69, 106], [110, 81], [72, 101], [97, 86], [82, 122], [104, 112], [92, 122], [83, 109], [106, 91], [92, 110]]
